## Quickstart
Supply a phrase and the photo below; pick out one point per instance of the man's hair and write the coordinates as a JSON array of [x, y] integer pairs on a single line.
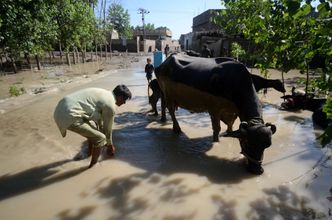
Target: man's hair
[[122, 90]]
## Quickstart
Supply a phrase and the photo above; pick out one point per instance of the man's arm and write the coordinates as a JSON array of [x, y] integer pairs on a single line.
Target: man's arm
[[108, 120]]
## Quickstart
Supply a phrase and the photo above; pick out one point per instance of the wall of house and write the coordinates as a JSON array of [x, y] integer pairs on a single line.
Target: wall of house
[[147, 46], [202, 22], [187, 41], [130, 45]]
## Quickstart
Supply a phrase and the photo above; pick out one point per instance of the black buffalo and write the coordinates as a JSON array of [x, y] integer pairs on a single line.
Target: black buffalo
[[301, 100], [223, 88]]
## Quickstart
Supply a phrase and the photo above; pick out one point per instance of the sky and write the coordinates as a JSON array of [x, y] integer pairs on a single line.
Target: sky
[[177, 15]]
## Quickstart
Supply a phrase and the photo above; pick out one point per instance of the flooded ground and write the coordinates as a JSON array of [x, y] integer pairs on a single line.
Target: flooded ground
[[157, 174]]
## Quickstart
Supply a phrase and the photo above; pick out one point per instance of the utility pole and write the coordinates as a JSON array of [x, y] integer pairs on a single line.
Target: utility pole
[[143, 11]]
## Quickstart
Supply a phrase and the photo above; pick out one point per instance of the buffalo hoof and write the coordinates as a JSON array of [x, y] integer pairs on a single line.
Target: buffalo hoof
[[254, 168], [163, 119], [216, 136], [177, 130]]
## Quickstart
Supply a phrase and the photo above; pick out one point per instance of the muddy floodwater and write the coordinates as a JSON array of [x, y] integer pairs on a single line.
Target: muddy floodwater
[[155, 173]]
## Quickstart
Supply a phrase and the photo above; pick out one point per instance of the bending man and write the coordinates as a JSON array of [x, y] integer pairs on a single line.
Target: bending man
[[90, 112]]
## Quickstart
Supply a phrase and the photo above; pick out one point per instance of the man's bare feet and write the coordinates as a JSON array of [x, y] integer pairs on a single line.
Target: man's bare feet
[[95, 155]]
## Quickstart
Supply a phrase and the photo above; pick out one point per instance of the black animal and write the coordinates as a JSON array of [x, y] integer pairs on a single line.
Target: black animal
[[156, 95], [192, 53], [224, 89], [262, 83], [303, 101], [258, 81]]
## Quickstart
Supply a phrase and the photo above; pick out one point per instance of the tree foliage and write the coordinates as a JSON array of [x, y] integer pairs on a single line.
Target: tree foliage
[[33, 27], [26, 26], [288, 33], [119, 19], [149, 26], [237, 50]]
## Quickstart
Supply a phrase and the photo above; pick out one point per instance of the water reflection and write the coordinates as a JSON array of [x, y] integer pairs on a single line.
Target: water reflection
[[282, 203], [158, 149]]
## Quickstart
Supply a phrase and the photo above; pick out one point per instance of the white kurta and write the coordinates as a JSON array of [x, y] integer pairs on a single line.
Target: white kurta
[[93, 104]]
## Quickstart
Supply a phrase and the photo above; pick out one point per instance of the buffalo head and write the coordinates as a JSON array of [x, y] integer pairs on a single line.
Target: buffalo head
[[254, 138]]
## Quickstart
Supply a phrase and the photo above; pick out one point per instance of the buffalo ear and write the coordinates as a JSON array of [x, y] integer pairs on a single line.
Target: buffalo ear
[[234, 134], [286, 96], [244, 125], [240, 133], [273, 127]]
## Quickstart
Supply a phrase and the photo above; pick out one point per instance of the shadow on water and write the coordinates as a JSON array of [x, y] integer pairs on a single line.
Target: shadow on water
[[34, 178], [160, 150], [154, 148], [282, 202], [161, 153], [120, 195], [81, 213]]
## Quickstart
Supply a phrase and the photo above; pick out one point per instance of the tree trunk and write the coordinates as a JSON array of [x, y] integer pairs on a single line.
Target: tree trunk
[[307, 80], [60, 48], [110, 43], [83, 56], [77, 55], [105, 51], [74, 57], [26, 56], [50, 56], [1, 62], [14, 65], [38, 62], [101, 51], [96, 51], [282, 77], [68, 58]]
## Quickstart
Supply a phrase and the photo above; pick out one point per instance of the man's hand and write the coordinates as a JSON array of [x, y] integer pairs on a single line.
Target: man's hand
[[110, 150]]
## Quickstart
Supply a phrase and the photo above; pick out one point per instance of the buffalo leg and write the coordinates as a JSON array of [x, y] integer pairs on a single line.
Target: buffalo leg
[[176, 126], [153, 99], [215, 126], [163, 109]]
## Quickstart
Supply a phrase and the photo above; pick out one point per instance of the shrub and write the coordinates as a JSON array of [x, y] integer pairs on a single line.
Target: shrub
[[15, 91]]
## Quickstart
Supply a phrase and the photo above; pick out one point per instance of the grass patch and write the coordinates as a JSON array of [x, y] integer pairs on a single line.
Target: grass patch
[[16, 91]]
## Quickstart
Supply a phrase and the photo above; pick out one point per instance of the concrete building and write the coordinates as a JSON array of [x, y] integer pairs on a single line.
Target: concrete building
[[206, 32], [151, 41], [202, 21], [186, 41], [160, 33]]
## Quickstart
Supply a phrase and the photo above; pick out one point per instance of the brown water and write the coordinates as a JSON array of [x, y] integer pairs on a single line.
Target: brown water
[[157, 174]]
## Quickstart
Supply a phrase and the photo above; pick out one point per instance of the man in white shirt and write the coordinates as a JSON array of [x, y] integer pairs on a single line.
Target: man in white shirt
[[90, 112]]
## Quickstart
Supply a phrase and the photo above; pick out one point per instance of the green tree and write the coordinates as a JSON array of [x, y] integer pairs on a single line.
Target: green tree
[[26, 27], [237, 50], [149, 27], [33, 27], [119, 19], [288, 33], [75, 23]]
